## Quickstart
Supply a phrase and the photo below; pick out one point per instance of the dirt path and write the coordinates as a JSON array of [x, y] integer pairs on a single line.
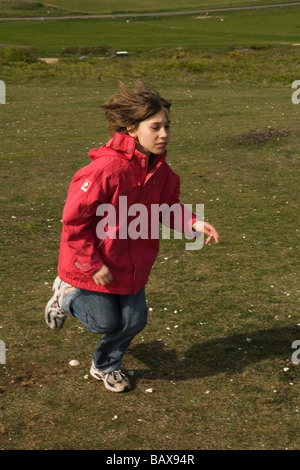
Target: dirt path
[[161, 13]]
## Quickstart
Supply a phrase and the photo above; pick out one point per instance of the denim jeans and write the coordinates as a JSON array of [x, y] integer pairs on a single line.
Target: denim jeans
[[119, 317]]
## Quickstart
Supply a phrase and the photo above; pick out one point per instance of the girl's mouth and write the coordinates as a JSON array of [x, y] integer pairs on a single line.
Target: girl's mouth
[[162, 144]]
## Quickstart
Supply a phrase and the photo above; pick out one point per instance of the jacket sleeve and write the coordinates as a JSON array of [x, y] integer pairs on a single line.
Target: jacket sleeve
[[177, 216], [83, 198]]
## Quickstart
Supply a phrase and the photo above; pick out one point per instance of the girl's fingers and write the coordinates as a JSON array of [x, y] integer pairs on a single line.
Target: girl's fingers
[[211, 235]]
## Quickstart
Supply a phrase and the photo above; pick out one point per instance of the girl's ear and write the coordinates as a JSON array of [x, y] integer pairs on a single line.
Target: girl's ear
[[131, 131]]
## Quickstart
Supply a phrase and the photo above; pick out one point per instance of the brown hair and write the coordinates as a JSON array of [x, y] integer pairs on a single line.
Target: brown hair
[[126, 109]]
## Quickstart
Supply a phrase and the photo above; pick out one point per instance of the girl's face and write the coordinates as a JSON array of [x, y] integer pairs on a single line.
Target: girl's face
[[152, 135]]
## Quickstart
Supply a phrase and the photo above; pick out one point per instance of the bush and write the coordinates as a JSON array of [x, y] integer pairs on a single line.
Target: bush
[[13, 54], [85, 50], [103, 49], [71, 50]]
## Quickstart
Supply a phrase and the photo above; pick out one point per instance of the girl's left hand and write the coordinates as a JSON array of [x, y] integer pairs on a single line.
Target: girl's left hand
[[211, 232], [208, 230]]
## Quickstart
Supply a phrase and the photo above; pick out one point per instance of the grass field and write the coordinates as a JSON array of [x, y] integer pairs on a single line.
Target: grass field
[[217, 349], [244, 29], [29, 8]]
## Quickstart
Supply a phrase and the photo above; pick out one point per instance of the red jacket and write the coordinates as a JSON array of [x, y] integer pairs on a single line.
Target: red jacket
[[117, 169]]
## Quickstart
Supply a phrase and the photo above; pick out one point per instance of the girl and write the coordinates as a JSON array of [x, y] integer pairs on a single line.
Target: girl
[[102, 269]]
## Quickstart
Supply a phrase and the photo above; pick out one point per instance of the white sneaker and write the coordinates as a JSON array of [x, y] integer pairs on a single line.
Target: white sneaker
[[54, 315], [114, 381]]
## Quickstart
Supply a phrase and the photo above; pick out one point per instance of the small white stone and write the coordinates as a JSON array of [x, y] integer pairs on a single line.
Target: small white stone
[[74, 362], [149, 390]]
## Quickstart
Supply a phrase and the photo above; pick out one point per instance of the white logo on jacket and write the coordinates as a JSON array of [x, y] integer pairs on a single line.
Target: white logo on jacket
[[87, 183]]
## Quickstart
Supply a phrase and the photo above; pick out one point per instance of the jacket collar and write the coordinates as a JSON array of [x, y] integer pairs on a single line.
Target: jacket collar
[[126, 144], [122, 142]]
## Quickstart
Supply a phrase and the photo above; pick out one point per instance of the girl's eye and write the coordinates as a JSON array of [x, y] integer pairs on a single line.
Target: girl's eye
[[156, 128]]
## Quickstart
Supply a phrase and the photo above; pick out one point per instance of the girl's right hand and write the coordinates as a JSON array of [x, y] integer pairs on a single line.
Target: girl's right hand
[[103, 276]]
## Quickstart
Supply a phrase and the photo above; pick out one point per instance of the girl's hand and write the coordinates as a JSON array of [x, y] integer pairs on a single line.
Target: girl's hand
[[208, 230], [211, 232], [103, 276]]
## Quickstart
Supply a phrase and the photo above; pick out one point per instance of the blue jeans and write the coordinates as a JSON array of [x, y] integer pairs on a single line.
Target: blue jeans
[[119, 317]]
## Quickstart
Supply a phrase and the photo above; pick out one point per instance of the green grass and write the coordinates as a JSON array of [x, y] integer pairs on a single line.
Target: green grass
[[244, 29], [265, 66], [29, 8], [224, 318]]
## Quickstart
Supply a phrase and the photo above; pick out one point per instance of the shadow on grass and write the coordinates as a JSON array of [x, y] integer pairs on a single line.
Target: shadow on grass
[[221, 355]]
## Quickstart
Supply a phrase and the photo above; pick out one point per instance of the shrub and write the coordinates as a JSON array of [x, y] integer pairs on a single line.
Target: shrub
[[13, 54], [71, 50], [103, 49], [85, 50]]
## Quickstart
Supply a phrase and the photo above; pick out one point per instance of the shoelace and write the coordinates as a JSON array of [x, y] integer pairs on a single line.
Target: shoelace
[[57, 309], [117, 375]]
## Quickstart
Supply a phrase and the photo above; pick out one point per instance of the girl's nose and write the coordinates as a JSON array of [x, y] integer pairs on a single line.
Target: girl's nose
[[163, 133]]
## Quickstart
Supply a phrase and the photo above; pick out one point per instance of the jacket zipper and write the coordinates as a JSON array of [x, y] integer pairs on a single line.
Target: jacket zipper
[[141, 185]]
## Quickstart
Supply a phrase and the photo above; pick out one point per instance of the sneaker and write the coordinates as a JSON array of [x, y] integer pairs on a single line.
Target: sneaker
[[115, 381], [54, 315]]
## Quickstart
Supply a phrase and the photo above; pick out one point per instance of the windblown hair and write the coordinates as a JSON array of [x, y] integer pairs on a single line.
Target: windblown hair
[[126, 109]]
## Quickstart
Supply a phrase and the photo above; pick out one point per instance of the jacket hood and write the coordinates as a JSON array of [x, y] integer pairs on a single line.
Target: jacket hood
[[123, 143]]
